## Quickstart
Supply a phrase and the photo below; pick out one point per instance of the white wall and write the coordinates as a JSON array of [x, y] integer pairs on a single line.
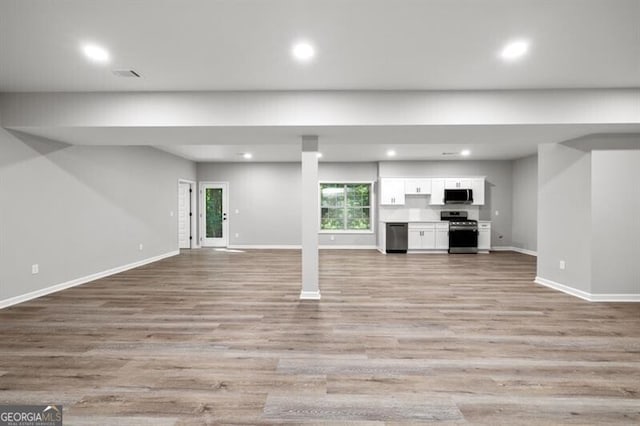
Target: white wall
[[564, 215], [77, 210], [615, 219], [264, 201], [267, 197], [525, 203], [589, 216], [498, 192]]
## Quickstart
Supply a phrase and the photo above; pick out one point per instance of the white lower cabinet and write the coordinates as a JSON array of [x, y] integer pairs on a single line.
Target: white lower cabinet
[[415, 239], [422, 236], [428, 236], [484, 235], [442, 237]]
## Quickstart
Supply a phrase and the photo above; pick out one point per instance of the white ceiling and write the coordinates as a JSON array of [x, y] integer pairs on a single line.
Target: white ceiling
[[337, 143], [201, 45], [361, 44]]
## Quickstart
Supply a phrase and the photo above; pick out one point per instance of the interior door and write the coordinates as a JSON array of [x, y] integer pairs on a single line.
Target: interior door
[[214, 212], [184, 215]]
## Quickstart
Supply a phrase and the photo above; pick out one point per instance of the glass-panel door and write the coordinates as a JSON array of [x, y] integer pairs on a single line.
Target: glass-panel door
[[214, 224]]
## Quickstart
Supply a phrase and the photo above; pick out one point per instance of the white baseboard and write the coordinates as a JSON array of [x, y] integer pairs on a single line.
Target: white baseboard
[[310, 295], [82, 280], [525, 251], [615, 297], [344, 247], [516, 249], [265, 247], [297, 247], [563, 288], [590, 297]]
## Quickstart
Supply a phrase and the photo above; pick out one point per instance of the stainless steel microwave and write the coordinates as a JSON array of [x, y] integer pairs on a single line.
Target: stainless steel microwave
[[458, 196]]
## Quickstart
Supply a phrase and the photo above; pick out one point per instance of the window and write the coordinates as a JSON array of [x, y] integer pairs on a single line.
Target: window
[[345, 207]]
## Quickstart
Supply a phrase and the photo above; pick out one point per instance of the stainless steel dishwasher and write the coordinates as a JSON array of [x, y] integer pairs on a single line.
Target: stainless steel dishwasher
[[397, 237]]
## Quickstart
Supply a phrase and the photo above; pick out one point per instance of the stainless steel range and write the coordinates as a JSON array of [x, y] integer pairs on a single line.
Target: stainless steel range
[[463, 232]]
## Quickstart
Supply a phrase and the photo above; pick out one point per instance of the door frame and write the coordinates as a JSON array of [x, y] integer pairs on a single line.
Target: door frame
[[193, 223], [225, 209]]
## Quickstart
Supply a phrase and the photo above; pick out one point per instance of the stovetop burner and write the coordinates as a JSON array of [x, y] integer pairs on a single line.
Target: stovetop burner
[[464, 223], [457, 217]]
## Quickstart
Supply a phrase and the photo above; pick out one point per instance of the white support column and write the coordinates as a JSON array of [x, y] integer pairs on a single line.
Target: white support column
[[310, 206]]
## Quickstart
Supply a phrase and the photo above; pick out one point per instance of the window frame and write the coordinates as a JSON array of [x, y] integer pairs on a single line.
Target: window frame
[[372, 204]]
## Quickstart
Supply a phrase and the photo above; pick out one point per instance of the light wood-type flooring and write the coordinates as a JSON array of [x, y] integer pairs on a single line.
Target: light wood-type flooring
[[213, 337]]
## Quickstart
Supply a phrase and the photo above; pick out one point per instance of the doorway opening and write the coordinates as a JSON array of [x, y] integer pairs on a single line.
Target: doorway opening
[[214, 202], [186, 211]]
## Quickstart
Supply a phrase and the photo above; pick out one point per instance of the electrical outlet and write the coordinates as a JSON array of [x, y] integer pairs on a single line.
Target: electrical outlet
[[333, 237], [237, 211], [171, 213], [35, 269], [237, 235], [140, 247], [497, 212], [563, 265]]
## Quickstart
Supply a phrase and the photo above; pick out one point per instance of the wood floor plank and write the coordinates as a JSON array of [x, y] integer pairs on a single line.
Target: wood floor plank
[[354, 407], [213, 337]]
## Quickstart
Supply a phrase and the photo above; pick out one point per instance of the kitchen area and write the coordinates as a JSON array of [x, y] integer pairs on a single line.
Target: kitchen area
[[432, 215]]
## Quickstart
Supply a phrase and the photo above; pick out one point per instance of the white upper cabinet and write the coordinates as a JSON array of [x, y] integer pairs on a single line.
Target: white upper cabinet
[[437, 192], [458, 183], [417, 186], [392, 191], [477, 185]]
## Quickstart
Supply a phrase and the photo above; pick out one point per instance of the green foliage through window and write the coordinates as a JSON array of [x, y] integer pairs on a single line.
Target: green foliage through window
[[345, 207], [213, 204]]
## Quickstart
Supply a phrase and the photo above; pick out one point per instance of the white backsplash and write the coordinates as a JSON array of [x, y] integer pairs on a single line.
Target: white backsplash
[[417, 209]]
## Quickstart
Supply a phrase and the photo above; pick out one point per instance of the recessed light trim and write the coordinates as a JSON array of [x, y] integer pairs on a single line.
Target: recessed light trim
[[514, 50], [95, 53], [391, 153], [303, 51], [465, 153], [319, 154], [247, 156]]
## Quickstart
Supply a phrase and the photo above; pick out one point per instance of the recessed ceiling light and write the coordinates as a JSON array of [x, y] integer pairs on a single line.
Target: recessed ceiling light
[[303, 51], [514, 50], [319, 154], [391, 153], [96, 53], [247, 156], [465, 152]]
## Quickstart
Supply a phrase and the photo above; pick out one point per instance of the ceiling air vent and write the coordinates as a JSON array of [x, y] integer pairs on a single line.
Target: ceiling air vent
[[126, 73], [449, 153]]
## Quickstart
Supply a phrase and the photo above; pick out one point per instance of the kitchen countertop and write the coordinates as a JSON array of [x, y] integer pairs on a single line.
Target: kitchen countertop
[[414, 221], [424, 221]]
